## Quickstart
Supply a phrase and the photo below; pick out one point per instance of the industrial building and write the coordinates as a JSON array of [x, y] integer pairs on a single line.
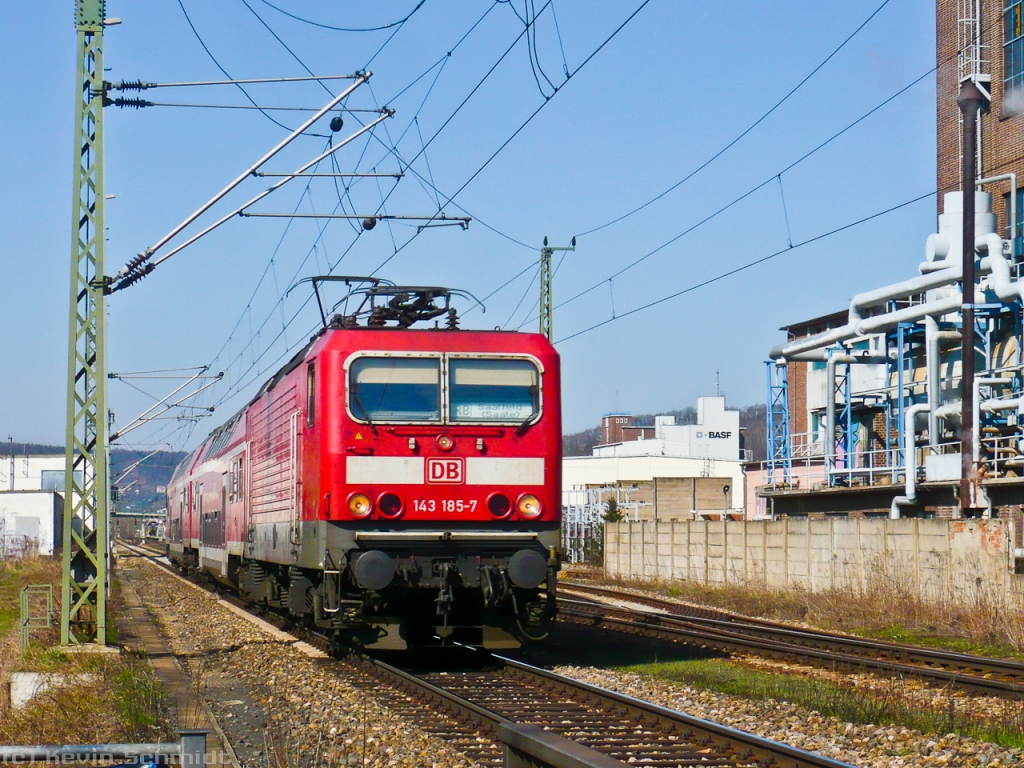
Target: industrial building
[[31, 505], [865, 414], [665, 471]]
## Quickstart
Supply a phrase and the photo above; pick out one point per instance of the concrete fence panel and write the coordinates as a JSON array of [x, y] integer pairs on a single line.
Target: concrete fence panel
[[961, 560]]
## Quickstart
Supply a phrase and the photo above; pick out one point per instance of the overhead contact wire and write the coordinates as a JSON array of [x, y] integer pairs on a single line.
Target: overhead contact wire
[[746, 131]]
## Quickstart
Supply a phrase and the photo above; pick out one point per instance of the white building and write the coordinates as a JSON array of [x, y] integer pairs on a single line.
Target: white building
[[679, 470], [31, 505], [32, 473], [716, 435], [31, 523]]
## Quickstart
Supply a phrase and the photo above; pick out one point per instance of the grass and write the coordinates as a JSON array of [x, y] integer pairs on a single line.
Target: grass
[[888, 706], [15, 574], [887, 610], [95, 697], [98, 698]]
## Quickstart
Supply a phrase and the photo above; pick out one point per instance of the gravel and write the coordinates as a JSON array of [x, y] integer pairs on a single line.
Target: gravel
[[916, 693], [862, 745], [279, 707]]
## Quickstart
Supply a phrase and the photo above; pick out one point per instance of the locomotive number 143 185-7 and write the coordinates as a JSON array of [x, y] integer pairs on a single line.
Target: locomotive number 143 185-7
[[444, 505]]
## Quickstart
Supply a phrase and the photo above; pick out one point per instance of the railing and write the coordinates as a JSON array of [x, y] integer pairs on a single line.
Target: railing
[[190, 751], [999, 455], [35, 594]]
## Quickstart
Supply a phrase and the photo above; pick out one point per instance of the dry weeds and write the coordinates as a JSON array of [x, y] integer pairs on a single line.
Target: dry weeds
[[886, 608], [125, 701]]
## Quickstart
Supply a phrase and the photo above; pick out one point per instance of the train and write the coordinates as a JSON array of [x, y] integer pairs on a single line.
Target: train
[[393, 485]]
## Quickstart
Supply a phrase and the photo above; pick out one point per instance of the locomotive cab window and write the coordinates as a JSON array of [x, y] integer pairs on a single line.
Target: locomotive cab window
[[395, 389], [493, 389]]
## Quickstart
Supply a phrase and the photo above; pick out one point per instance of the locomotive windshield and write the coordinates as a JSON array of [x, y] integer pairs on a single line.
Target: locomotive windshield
[[396, 388], [493, 390]]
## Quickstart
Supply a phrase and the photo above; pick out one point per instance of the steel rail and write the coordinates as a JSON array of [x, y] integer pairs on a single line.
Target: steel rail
[[701, 633], [1006, 668], [625, 728], [614, 724], [744, 635]]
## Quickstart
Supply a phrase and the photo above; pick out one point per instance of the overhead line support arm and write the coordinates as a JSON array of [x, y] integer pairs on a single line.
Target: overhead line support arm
[[139, 262]]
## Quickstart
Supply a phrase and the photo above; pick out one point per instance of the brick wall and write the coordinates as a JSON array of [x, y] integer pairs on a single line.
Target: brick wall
[[611, 427], [1002, 133], [797, 378]]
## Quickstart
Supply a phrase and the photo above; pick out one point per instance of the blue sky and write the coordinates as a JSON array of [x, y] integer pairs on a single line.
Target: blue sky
[[670, 90]]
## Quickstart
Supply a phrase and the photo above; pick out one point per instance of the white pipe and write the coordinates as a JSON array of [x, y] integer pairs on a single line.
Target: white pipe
[[910, 451], [909, 460], [830, 411], [976, 416], [1002, 285], [909, 287], [933, 338], [994, 405], [874, 324], [907, 314]]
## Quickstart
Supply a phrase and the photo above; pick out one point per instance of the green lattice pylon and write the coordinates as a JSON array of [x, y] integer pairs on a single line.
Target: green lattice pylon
[[84, 587], [546, 319]]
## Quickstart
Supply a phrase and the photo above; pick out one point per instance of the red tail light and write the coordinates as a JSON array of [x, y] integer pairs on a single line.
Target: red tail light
[[499, 505], [390, 505]]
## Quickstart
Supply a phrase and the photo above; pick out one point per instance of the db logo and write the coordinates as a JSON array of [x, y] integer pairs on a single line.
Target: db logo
[[446, 470]]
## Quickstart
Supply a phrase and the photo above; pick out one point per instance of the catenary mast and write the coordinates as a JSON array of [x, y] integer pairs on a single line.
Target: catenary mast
[[86, 496]]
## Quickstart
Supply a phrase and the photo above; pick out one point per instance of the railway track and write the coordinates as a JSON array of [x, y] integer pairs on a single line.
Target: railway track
[[501, 691], [468, 707], [732, 633]]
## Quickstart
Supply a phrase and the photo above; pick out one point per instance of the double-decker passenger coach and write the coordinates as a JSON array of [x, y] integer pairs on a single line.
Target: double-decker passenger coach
[[391, 485]]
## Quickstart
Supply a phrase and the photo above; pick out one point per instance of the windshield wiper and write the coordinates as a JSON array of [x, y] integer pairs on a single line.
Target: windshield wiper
[[521, 429], [362, 409]]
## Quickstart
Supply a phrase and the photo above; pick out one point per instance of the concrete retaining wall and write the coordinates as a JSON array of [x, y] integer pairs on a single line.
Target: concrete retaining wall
[[963, 560]]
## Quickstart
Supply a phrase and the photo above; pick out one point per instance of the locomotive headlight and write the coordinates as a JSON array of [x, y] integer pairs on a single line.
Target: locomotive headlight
[[529, 506], [359, 505]]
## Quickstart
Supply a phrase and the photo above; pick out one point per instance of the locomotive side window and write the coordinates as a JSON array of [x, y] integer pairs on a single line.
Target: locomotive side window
[[310, 394], [395, 389], [493, 390]]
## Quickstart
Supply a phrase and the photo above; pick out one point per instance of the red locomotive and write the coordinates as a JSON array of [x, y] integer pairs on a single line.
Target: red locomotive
[[389, 485]]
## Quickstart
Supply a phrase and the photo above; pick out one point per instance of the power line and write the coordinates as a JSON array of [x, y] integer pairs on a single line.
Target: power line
[[389, 25], [449, 199], [746, 131], [749, 192], [748, 265], [358, 231], [235, 106], [508, 282], [320, 233], [789, 167], [224, 72], [558, 32], [522, 298], [533, 114]]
